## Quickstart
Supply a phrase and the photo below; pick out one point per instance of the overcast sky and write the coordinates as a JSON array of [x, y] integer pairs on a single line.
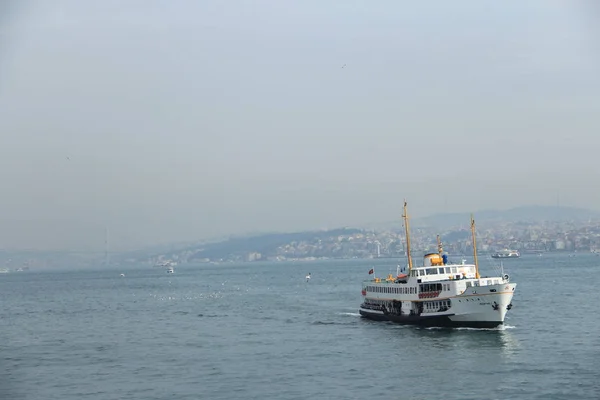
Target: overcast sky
[[182, 120]]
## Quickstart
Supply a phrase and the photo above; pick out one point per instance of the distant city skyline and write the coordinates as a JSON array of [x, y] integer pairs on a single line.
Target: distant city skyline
[[193, 120]]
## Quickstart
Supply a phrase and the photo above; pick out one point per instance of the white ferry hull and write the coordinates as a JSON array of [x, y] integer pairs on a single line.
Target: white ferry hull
[[478, 307]]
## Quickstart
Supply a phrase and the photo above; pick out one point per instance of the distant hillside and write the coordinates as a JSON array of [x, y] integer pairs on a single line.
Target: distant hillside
[[264, 244], [518, 214]]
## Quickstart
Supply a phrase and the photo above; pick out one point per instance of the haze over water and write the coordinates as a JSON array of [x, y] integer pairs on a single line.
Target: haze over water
[[256, 331]]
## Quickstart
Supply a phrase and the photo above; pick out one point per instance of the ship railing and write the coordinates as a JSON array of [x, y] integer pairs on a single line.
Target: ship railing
[[429, 295]]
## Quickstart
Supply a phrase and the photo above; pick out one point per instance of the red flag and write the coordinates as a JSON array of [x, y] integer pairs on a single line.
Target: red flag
[[371, 271]]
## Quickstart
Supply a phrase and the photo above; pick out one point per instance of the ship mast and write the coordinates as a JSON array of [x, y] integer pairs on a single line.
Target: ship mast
[[439, 243], [474, 247], [406, 229]]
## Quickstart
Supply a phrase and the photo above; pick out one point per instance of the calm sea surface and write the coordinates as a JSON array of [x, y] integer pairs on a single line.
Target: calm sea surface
[[259, 331]]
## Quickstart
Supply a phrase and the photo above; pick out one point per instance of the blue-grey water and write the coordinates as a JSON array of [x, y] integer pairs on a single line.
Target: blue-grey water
[[259, 331]]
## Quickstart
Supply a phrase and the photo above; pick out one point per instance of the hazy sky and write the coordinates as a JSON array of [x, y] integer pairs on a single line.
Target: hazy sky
[[190, 119]]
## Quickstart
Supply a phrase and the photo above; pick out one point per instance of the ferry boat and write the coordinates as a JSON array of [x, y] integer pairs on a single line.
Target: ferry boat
[[506, 254], [438, 293]]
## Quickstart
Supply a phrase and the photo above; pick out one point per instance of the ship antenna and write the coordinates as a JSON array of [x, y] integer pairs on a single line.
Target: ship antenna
[[407, 232], [474, 247]]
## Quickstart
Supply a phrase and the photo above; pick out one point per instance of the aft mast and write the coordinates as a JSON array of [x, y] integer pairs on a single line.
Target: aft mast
[[474, 247], [407, 232]]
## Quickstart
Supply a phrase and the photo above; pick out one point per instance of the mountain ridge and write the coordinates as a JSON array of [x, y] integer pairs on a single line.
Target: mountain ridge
[[528, 213], [263, 242]]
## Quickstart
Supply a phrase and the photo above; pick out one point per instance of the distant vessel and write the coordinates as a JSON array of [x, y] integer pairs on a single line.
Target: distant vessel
[[165, 264], [440, 293], [170, 270], [506, 254], [4, 270]]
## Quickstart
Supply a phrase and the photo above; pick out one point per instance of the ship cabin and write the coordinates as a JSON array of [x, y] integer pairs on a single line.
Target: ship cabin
[[436, 277], [436, 268]]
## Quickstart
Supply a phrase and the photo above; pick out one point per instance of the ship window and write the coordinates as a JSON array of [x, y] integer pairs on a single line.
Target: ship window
[[453, 270], [441, 270], [431, 271]]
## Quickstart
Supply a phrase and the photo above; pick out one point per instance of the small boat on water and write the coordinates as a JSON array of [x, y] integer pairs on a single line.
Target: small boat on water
[[165, 264], [439, 293], [506, 253], [170, 270]]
